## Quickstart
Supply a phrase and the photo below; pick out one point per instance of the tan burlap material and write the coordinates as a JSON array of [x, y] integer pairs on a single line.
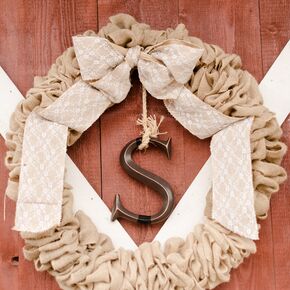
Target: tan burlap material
[[81, 258]]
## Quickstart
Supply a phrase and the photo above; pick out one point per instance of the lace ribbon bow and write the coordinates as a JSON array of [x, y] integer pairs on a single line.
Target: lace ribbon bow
[[164, 70]]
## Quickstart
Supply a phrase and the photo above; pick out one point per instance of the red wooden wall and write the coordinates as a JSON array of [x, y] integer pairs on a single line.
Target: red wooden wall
[[34, 32]]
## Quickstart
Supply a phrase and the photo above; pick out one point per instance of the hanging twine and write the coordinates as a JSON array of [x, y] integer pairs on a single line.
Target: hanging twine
[[149, 124]]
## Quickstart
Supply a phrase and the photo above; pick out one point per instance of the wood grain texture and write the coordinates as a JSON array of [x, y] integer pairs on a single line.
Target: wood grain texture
[[275, 33], [34, 32]]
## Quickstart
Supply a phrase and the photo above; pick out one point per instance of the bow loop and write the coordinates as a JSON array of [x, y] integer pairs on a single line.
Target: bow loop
[[180, 58], [103, 66], [169, 68], [96, 57], [116, 83]]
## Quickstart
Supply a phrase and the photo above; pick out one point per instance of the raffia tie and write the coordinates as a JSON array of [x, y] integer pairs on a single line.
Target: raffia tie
[[149, 124]]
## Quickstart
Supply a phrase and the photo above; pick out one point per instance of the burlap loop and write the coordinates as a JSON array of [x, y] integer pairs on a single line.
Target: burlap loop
[[125, 31], [81, 258]]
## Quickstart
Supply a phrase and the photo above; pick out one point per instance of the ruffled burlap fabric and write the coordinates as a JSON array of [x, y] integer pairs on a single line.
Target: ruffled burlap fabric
[[81, 258]]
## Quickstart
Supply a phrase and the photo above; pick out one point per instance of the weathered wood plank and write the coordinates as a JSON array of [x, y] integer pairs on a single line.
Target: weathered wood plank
[[280, 210], [275, 33], [32, 35]]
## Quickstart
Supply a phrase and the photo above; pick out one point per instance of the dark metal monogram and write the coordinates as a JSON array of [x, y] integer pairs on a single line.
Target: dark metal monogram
[[147, 178]]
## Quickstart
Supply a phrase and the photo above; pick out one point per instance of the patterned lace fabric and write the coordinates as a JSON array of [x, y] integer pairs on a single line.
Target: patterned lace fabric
[[42, 175], [233, 190], [78, 107], [197, 117]]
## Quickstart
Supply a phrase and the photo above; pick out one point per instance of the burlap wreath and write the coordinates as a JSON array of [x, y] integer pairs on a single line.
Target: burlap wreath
[[81, 258]]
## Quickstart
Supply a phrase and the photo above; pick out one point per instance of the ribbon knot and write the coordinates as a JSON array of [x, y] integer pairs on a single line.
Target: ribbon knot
[[132, 56]]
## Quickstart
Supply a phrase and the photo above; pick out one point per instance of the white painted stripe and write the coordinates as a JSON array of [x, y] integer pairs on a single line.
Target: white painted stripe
[[275, 86], [10, 96]]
